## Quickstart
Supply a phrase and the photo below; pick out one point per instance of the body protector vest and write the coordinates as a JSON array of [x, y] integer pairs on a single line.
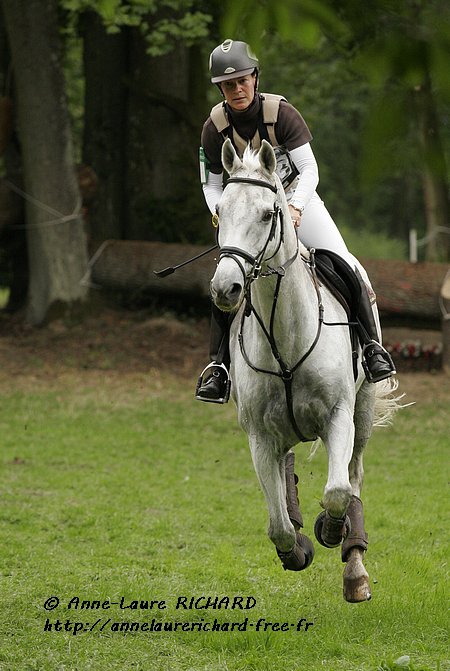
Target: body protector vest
[[286, 170]]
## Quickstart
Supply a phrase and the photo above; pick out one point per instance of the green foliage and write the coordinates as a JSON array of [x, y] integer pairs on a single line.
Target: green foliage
[[335, 100], [350, 67], [115, 13], [190, 29], [371, 60], [302, 23], [163, 22], [4, 295]]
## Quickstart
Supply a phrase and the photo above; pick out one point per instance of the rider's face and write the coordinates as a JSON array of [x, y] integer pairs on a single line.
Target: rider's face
[[239, 93]]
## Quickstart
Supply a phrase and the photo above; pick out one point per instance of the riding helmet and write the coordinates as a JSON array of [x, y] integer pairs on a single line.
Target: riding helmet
[[232, 59]]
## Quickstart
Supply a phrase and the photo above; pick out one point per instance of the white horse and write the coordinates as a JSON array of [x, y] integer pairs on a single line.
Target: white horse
[[291, 366]]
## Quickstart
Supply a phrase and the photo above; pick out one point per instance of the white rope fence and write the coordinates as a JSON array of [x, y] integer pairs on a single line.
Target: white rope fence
[[59, 217], [86, 279]]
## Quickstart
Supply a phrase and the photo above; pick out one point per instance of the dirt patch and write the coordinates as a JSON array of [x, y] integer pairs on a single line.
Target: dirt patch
[[115, 340], [122, 344]]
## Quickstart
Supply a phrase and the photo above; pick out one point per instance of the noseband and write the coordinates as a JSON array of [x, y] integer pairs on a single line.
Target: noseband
[[236, 252]]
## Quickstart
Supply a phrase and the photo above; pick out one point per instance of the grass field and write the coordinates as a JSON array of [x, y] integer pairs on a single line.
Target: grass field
[[118, 489]]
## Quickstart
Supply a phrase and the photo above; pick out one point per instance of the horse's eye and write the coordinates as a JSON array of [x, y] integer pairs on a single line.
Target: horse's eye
[[267, 216]]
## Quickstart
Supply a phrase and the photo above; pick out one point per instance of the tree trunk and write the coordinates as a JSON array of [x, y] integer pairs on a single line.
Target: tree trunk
[[141, 136], [104, 140], [164, 196], [434, 179], [13, 246], [55, 236]]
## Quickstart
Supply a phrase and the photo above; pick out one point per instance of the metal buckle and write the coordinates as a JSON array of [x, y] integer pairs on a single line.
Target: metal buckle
[[256, 271]]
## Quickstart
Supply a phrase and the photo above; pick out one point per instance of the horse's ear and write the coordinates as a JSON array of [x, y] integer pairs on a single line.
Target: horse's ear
[[230, 159], [267, 157]]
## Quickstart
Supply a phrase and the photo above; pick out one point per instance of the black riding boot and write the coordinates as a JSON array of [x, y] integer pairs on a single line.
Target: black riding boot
[[377, 362], [213, 385]]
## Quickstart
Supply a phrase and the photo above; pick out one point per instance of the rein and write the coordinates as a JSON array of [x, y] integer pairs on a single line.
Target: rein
[[286, 373]]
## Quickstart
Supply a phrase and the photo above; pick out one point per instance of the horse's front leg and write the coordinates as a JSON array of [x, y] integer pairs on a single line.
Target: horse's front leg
[[333, 525], [294, 549]]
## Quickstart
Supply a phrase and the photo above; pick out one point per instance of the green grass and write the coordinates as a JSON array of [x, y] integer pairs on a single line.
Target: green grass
[[110, 490]]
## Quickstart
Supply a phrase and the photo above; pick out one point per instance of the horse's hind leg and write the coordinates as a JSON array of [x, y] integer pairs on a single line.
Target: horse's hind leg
[[356, 578], [294, 550]]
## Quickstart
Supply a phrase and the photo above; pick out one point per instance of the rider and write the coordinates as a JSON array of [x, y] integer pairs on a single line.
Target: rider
[[246, 117]]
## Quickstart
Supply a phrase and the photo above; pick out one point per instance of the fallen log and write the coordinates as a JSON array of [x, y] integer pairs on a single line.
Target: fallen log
[[130, 265], [403, 289]]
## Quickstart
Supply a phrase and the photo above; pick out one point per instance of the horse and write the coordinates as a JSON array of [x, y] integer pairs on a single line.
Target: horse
[[292, 367]]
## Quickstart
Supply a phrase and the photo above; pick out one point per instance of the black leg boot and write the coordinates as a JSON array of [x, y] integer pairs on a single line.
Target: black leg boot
[[377, 362], [213, 385]]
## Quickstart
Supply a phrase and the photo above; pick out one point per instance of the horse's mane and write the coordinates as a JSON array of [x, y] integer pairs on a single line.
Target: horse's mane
[[250, 159], [250, 162]]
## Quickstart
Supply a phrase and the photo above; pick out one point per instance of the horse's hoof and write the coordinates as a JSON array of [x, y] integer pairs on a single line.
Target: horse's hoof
[[330, 531], [301, 555], [357, 590]]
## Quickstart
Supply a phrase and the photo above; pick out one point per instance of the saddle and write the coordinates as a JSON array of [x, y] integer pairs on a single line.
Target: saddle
[[340, 278], [342, 281]]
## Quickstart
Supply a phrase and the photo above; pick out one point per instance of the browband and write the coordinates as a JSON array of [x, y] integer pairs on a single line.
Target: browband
[[258, 182]]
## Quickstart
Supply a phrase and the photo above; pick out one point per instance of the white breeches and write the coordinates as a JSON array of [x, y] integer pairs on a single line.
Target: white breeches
[[317, 229]]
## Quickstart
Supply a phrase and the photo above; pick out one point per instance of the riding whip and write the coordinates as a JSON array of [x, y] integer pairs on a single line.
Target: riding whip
[[171, 269]]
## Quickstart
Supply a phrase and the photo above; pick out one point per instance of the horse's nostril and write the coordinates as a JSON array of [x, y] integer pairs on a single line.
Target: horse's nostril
[[235, 289]]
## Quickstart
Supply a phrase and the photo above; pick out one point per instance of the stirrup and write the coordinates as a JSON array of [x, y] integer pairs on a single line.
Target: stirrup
[[389, 368], [227, 384]]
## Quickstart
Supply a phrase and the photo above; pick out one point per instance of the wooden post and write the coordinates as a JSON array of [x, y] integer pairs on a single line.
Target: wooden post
[[412, 245], [445, 305], [446, 344]]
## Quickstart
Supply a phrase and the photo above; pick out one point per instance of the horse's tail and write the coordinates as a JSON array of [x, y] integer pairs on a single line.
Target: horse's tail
[[387, 404]]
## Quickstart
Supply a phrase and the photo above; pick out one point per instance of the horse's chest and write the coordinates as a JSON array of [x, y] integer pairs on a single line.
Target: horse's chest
[[264, 406]]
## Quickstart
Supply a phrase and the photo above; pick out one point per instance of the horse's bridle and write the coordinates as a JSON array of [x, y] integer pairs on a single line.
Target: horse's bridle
[[286, 373], [256, 261]]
